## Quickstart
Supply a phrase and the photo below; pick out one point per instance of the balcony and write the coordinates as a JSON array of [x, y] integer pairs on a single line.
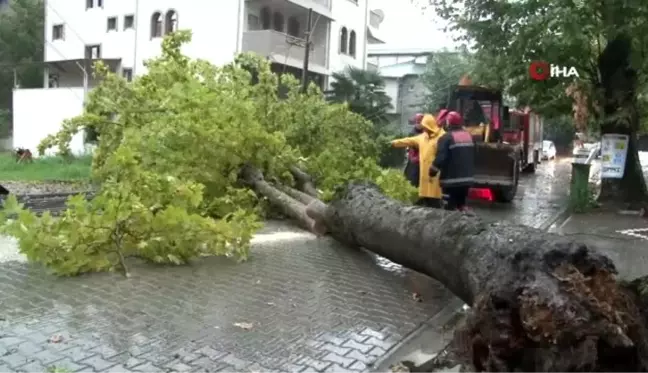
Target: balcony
[[320, 7], [317, 5], [284, 49]]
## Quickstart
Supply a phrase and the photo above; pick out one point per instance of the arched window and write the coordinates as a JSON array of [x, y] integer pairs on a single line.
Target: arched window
[[352, 43], [266, 21], [278, 22], [156, 25], [171, 21], [344, 40], [293, 27]]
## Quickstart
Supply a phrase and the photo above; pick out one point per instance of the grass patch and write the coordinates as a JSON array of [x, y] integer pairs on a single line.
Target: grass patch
[[45, 168]]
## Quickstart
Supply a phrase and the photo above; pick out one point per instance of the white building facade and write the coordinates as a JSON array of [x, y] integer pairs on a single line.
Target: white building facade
[[126, 33], [401, 69]]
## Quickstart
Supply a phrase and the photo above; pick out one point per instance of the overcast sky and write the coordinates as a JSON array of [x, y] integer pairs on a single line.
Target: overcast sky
[[405, 25]]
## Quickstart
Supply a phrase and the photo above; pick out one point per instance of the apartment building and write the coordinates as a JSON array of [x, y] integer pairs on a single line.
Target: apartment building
[[125, 33], [402, 69]]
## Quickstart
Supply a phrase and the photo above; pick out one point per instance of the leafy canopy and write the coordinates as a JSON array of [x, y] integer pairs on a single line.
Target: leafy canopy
[[363, 91], [21, 51], [507, 35], [443, 71], [170, 147]]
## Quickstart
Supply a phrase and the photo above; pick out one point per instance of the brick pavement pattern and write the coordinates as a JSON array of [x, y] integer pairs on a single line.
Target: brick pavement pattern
[[314, 305]]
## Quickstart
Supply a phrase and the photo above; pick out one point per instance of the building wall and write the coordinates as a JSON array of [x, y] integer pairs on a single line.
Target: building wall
[[215, 27], [387, 60], [54, 106], [411, 96], [391, 89], [407, 96], [281, 51], [354, 16]]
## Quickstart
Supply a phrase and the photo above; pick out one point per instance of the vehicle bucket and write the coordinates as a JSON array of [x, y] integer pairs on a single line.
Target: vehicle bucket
[[495, 165]]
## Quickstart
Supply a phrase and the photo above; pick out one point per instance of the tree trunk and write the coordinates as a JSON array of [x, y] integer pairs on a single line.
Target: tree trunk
[[304, 182], [540, 302], [620, 115], [289, 206]]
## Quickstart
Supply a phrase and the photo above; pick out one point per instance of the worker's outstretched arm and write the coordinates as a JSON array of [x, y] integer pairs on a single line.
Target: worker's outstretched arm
[[408, 142], [442, 155]]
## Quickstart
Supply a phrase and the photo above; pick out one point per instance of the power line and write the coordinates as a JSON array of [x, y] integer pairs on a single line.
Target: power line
[[67, 24]]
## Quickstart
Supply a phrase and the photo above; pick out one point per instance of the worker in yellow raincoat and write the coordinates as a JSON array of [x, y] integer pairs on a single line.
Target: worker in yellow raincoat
[[430, 194]]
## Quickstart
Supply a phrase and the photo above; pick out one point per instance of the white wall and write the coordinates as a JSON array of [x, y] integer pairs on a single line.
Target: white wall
[[354, 16], [215, 26], [54, 106], [391, 89], [387, 60]]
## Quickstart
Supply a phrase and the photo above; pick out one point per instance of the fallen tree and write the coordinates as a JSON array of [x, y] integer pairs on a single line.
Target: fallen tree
[[540, 302], [169, 193]]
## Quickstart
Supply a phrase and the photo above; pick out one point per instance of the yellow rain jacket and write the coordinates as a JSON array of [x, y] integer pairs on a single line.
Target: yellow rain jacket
[[429, 187]]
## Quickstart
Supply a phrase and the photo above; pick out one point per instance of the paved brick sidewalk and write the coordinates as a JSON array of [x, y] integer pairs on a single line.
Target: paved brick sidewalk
[[314, 305]]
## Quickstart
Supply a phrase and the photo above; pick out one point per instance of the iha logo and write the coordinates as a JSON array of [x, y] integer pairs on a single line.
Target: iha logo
[[540, 70]]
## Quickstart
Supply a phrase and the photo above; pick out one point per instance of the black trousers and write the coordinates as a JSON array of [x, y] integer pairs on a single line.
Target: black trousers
[[456, 197], [412, 172], [436, 203]]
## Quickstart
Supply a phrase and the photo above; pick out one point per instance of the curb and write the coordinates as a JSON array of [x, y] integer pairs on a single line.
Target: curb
[[557, 219], [440, 318]]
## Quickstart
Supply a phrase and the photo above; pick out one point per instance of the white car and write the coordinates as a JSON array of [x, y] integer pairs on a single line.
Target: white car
[[548, 150]]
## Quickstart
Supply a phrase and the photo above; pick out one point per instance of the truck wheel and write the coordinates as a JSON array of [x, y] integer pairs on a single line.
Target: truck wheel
[[507, 194], [531, 168]]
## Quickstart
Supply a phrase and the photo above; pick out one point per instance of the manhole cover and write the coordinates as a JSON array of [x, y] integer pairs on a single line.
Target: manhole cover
[[637, 233]]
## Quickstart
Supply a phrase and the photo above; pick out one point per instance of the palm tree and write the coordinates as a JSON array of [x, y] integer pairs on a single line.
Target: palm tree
[[364, 92]]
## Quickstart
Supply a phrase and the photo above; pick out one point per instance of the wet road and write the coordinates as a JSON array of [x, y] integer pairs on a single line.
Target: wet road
[[540, 196], [300, 304]]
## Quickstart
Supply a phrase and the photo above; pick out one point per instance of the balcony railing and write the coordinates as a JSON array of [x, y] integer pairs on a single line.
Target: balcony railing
[[282, 47]]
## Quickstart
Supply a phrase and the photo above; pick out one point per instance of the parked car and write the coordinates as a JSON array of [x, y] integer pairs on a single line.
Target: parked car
[[548, 150]]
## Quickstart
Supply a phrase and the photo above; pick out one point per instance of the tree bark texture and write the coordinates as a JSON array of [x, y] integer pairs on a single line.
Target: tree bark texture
[[289, 206], [620, 115], [304, 181], [540, 302]]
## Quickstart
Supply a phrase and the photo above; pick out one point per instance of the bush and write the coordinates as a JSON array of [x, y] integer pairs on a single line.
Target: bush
[[171, 144]]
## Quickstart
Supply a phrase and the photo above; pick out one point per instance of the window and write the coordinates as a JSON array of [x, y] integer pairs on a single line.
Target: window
[[112, 24], [265, 18], [352, 44], [128, 74], [344, 40], [156, 25], [129, 22], [53, 81], [58, 32], [253, 22], [293, 27], [278, 22], [94, 4], [171, 22], [92, 52]]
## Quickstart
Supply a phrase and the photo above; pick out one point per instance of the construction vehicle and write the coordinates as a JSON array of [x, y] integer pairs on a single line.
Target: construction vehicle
[[507, 142]]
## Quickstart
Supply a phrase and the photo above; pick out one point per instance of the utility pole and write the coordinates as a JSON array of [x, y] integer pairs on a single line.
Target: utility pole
[[309, 29]]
